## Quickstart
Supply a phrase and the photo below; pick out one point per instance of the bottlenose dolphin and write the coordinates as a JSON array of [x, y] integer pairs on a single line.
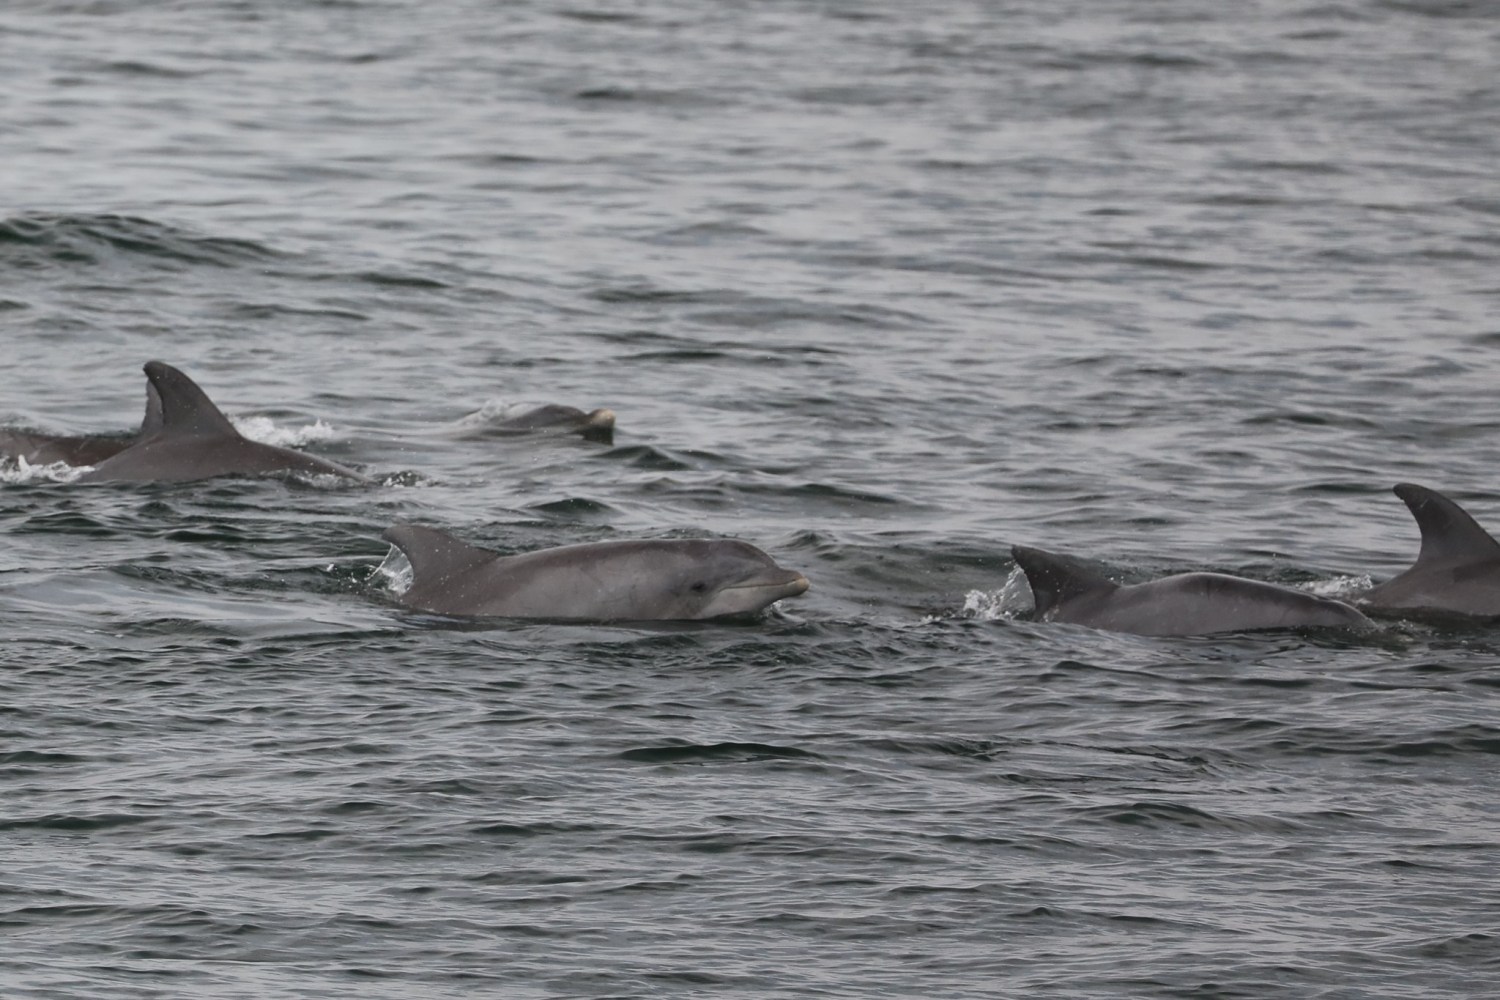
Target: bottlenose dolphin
[[601, 581], [595, 425], [1187, 604], [80, 449], [193, 440], [1457, 567]]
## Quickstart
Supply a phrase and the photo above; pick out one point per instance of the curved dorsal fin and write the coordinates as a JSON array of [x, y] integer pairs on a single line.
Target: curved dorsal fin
[[183, 407], [434, 554], [1055, 579], [1449, 534]]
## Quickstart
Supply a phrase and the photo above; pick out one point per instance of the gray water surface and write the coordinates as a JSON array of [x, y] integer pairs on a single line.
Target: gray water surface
[[881, 288]]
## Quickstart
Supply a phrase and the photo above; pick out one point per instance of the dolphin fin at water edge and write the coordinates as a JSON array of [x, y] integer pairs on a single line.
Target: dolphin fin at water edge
[[193, 439], [1457, 568], [1065, 590]]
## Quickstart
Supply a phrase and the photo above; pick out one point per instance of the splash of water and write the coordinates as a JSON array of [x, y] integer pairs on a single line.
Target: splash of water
[[266, 431], [22, 471]]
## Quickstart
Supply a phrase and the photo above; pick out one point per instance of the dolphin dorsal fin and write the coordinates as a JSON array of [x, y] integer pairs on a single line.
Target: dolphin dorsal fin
[[1055, 579], [182, 407], [434, 554], [1449, 534]]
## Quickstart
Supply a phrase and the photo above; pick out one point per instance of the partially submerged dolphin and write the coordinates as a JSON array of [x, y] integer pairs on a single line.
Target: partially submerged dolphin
[[1187, 604], [1457, 568], [79, 449], [601, 581], [194, 440], [595, 425]]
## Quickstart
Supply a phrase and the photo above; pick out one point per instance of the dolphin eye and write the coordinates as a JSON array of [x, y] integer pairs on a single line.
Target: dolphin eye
[[699, 587]]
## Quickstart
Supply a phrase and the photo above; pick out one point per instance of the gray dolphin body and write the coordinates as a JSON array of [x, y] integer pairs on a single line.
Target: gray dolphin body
[[1187, 604], [1457, 568], [80, 449], [194, 440], [670, 579], [595, 425]]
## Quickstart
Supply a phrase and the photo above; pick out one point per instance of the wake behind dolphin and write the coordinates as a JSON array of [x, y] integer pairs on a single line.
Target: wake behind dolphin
[[648, 580], [192, 439], [1186, 604], [1457, 568]]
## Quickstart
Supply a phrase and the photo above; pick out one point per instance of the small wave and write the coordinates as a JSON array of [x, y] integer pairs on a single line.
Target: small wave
[[132, 67], [67, 822], [964, 748], [574, 509], [839, 496], [266, 431], [647, 457], [712, 753], [41, 239], [1161, 814]]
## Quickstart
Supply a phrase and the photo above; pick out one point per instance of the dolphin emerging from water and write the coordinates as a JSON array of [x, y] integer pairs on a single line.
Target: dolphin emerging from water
[[80, 449], [548, 418], [190, 438], [1457, 567], [645, 580], [1187, 604], [595, 425]]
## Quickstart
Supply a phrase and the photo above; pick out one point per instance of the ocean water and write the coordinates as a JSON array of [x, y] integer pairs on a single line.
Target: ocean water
[[881, 288]]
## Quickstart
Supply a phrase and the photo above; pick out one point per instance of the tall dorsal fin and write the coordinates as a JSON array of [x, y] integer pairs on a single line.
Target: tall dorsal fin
[[1055, 579], [184, 408], [1449, 534], [434, 554]]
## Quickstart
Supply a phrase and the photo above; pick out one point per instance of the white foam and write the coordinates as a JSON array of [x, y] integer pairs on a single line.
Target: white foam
[[1339, 587], [1013, 598], [266, 431], [53, 472]]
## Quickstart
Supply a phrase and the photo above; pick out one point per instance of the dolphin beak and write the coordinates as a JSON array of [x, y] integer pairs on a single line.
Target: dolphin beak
[[797, 585]]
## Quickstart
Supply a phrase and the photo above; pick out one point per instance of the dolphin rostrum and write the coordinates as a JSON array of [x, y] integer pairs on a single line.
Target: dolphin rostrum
[[80, 449], [645, 580], [1186, 604], [1457, 568], [194, 440]]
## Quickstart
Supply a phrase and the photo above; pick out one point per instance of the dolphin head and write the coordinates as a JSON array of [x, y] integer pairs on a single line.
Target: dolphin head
[[717, 578]]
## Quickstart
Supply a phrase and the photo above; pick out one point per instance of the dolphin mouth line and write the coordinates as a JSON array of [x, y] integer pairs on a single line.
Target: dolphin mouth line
[[797, 584]]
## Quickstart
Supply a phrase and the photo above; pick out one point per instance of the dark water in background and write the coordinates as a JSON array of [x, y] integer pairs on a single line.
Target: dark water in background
[[1171, 286]]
